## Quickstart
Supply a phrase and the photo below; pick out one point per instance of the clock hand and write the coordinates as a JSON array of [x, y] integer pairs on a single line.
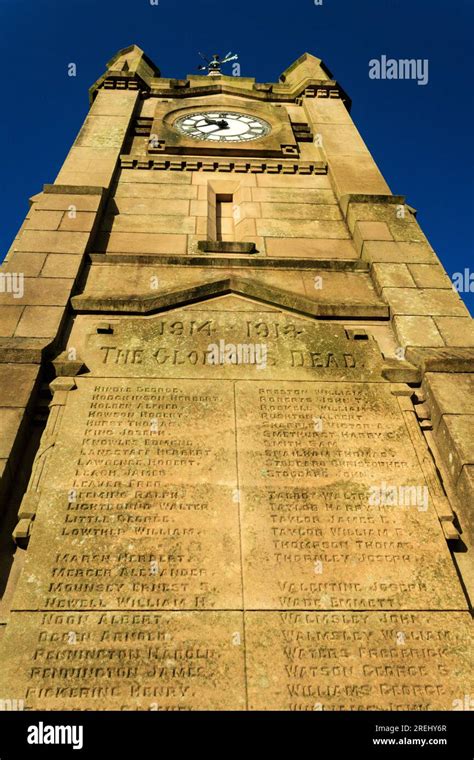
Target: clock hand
[[222, 124]]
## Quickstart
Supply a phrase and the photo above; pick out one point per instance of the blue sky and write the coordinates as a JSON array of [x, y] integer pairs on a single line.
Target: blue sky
[[421, 136]]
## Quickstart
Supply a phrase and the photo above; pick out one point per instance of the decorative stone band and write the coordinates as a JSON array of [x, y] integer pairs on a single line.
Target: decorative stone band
[[275, 93], [256, 260], [223, 165], [319, 92], [181, 89], [114, 83]]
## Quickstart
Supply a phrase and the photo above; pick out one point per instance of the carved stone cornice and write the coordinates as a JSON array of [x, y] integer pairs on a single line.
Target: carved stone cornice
[[217, 164]]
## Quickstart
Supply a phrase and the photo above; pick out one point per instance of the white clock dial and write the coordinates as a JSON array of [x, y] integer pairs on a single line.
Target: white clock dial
[[222, 126]]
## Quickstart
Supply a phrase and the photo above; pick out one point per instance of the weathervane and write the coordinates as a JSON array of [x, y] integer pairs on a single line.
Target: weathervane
[[213, 67]]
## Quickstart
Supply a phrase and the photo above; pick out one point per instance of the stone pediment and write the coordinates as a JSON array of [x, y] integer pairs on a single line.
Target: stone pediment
[[195, 287], [209, 339]]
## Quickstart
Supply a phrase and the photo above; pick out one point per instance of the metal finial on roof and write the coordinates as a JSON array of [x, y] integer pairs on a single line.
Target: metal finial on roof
[[213, 67]]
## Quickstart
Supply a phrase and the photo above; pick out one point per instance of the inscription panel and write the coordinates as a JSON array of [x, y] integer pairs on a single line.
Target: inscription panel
[[138, 512], [125, 661], [213, 344], [359, 661], [317, 462]]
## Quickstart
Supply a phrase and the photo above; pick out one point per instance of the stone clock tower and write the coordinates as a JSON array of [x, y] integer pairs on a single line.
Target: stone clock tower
[[237, 413]]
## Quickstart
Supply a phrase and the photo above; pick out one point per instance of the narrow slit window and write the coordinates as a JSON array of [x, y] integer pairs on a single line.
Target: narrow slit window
[[224, 218]]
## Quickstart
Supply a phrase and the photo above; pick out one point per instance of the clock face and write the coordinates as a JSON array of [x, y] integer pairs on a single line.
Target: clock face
[[222, 126]]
